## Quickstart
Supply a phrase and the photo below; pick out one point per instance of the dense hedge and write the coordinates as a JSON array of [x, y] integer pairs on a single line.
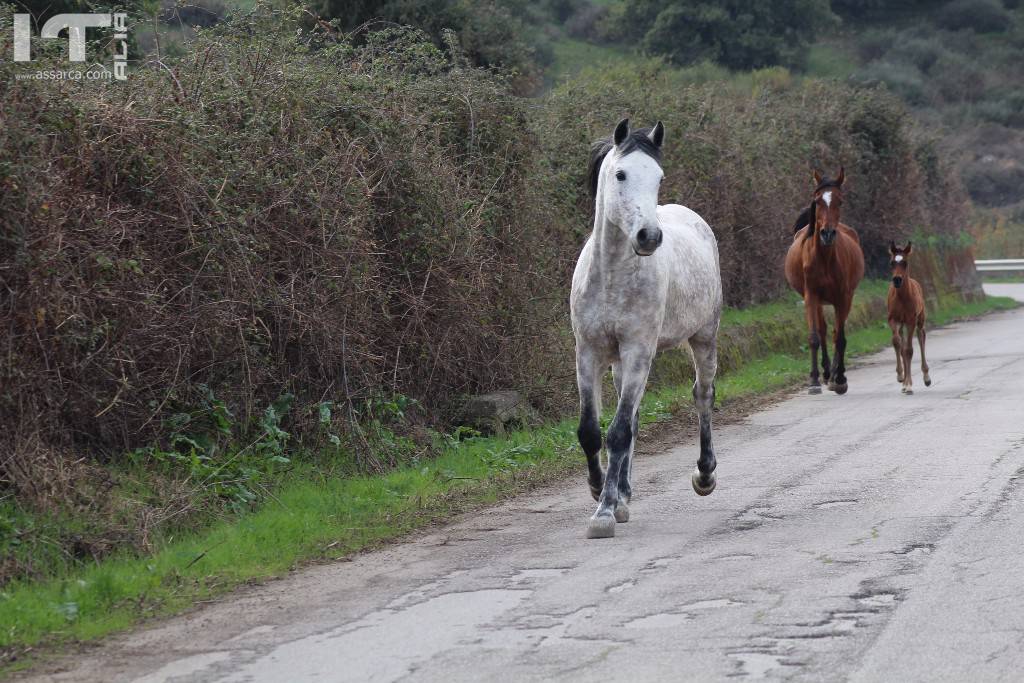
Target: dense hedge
[[282, 212]]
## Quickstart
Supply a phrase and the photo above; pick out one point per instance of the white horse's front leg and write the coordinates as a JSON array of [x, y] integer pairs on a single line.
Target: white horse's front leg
[[635, 365], [588, 378]]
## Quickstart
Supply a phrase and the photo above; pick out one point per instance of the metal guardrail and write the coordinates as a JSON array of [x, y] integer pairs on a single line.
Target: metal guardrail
[[1002, 264]]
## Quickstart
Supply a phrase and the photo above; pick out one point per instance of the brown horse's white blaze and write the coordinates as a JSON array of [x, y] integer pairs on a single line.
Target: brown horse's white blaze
[[906, 313], [824, 265]]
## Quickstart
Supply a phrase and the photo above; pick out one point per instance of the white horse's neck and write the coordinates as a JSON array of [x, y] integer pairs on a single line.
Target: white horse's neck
[[613, 253], [611, 244]]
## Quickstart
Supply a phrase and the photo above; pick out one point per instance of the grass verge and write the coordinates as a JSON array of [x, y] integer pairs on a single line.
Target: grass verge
[[313, 516]]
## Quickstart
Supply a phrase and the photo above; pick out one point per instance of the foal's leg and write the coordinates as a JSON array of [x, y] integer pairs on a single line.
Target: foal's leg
[[839, 361], [908, 358], [920, 342], [588, 378], [635, 363], [812, 307], [897, 345], [704, 348]]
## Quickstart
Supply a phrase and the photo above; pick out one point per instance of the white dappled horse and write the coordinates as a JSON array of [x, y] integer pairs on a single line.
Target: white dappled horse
[[647, 279]]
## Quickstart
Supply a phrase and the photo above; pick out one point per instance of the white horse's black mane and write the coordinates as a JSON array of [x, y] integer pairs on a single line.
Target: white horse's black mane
[[637, 140]]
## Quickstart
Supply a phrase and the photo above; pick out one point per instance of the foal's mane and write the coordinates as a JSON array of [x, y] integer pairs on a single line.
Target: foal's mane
[[637, 140], [808, 215]]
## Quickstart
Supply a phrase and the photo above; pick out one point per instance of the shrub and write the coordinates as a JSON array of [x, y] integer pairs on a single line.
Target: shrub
[[983, 16], [995, 182], [1004, 107], [587, 22], [204, 13], [874, 43], [958, 78], [739, 34], [922, 52], [903, 79]]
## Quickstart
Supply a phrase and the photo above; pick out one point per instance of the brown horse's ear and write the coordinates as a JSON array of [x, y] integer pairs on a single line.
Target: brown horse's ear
[[621, 131], [892, 247], [817, 178], [906, 250], [841, 177]]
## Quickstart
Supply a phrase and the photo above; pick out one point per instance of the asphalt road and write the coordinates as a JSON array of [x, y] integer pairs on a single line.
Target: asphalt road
[[868, 537]]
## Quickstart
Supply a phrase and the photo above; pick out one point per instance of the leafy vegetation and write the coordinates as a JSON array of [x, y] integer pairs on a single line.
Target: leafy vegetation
[[738, 34]]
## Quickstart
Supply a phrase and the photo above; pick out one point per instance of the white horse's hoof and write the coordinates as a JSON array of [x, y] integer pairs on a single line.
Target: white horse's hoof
[[601, 527], [622, 512], [700, 490], [813, 390]]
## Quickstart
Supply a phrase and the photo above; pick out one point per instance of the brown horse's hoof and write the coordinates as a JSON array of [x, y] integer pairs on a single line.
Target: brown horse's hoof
[[839, 388], [595, 493], [699, 486], [814, 389], [927, 382]]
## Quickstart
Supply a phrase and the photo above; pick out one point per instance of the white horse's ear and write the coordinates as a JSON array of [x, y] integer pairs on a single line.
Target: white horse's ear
[[817, 178], [657, 135], [621, 131], [841, 177]]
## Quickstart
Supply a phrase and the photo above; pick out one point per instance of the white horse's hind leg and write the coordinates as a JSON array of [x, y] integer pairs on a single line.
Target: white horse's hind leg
[[635, 364], [704, 348]]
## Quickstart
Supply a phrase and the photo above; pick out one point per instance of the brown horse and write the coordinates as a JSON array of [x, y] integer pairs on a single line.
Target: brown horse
[[906, 311], [824, 265]]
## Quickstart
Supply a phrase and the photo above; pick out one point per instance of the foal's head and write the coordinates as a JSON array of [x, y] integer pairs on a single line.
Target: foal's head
[[625, 174], [900, 263], [826, 205]]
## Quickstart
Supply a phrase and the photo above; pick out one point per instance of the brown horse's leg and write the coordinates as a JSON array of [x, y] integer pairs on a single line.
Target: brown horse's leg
[[897, 345], [826, 368], [908, 359], [812, 308], [920, 342], [839, 361]]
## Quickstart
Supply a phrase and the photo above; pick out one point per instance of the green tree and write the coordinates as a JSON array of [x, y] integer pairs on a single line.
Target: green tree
[[739, 34], [491, 33]]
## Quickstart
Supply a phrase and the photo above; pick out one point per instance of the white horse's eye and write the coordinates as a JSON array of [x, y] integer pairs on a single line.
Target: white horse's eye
[[621, 175]]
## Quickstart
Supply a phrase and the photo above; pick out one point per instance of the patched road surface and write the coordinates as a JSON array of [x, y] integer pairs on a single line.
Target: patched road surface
[[867, 537]]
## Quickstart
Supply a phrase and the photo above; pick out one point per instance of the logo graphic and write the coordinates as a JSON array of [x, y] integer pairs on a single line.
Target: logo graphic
[[76, 25]]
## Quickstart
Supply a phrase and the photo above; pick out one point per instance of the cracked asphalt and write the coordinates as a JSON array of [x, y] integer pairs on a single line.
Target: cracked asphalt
[[867, 537]]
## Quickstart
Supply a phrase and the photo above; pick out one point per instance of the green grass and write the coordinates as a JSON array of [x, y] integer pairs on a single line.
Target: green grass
[[571, 56], [312, 516], [830, 60]]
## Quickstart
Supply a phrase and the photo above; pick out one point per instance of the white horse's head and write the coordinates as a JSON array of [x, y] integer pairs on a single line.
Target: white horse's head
[[625, 175]]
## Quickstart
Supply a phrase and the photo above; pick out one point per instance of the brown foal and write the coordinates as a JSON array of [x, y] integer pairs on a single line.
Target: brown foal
[[906, 312], [824, 265]]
